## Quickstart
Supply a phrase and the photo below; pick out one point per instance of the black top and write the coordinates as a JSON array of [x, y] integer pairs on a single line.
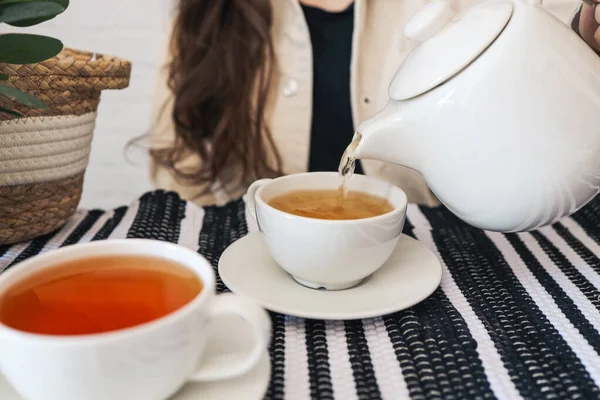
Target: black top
[[332, 127]]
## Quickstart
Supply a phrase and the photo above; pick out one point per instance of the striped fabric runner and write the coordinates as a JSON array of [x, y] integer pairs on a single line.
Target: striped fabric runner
[[516, 316]]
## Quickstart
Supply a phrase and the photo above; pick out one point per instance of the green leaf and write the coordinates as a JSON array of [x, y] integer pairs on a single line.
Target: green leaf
[[3, 77], [10, 112], [29, 22], [3, 2], [63, 3], [29, 13], [16, 48], [21, 97]]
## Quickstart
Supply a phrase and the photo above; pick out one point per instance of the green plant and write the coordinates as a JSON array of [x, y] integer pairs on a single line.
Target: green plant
[[22, 48]]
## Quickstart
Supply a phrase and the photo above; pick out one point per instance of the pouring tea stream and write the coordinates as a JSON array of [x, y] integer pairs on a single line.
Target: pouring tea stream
[[499, 108]]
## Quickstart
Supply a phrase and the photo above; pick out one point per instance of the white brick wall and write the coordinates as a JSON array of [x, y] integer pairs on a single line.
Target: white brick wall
[[131, 29]]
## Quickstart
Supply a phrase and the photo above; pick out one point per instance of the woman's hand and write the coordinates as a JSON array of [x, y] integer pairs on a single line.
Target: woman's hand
[[589, 27]]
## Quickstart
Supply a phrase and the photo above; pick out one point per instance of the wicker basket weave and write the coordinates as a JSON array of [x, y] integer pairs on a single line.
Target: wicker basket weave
[[44, 154]]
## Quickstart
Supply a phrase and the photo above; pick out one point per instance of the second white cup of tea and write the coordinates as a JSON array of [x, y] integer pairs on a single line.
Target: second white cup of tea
[[329, 254], [146, 362]]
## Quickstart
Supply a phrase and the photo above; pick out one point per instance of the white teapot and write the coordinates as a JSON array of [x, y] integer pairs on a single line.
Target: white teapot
[[499, 108]]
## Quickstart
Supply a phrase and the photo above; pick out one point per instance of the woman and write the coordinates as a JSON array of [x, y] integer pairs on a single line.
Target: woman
[[259, 88]]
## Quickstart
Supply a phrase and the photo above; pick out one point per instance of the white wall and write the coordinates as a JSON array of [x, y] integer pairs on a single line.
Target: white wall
[[130, 29]]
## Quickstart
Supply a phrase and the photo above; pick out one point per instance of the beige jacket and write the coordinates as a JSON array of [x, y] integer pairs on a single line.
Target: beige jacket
[[378, 49]]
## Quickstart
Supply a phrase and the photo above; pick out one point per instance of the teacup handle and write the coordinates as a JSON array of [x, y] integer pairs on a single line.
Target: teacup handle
[[227, 305], [251, 196]]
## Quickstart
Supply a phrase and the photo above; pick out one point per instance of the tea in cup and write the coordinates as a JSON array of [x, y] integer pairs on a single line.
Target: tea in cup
[[120, 320], [321, 239]]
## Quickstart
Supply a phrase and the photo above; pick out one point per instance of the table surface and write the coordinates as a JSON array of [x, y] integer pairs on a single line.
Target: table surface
[[516, 315]]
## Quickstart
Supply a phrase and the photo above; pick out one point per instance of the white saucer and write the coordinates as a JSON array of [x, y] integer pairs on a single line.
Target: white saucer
[[411, 274], [251, 386]]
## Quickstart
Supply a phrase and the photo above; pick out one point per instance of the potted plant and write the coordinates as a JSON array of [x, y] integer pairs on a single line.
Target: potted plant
[[48, 101]]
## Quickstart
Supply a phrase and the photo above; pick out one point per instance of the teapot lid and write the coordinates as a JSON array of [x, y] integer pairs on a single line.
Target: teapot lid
[[448, 43]]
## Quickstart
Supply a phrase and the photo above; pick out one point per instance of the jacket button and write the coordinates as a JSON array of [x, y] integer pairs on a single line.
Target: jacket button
[[290, 88]]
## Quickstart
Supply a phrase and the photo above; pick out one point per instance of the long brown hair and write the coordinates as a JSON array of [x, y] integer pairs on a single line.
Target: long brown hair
[[221, 74]]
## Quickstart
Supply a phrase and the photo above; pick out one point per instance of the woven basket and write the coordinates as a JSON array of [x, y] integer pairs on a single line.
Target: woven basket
[[44, 154]]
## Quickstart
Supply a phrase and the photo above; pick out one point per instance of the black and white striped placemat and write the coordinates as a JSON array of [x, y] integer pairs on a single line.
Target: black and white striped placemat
[[516, 316]]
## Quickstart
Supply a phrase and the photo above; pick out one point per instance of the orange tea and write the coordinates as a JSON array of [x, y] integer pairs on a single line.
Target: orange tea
[[99, 294], [331, 204]]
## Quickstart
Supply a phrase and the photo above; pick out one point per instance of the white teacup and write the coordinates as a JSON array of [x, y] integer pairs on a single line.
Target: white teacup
[[149, 361], [329, 254]]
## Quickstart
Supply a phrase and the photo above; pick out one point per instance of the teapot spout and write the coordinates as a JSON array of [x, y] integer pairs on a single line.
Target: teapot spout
[[384, 137]]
